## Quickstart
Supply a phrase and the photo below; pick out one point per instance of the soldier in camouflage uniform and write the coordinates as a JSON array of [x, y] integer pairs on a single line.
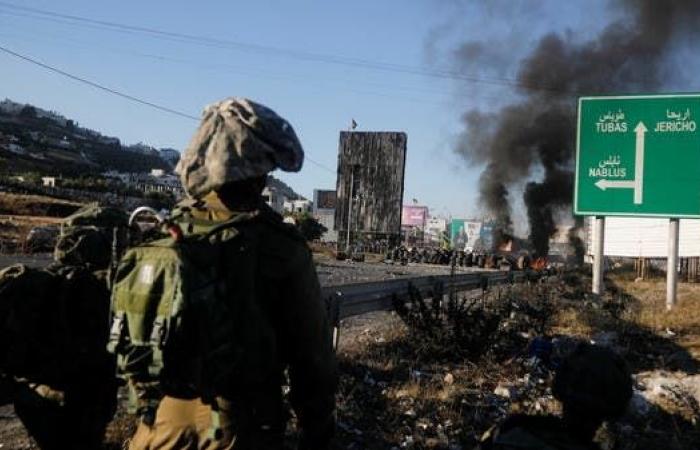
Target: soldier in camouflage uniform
[[224, 170], [594, 386], [59, 375]]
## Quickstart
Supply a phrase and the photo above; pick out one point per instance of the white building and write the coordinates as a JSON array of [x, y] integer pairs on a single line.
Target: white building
[[121, 176], [274, 199], [326, 217], [157, 181], [48, 181], [297, 206], [324, 212]]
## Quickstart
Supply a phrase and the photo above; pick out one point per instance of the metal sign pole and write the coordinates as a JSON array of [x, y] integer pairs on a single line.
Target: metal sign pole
[[672, 265], [598, 239]]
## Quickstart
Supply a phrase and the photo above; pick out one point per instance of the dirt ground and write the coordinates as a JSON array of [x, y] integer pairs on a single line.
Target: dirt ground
[[399, 389], [19, 213], [394, 394]]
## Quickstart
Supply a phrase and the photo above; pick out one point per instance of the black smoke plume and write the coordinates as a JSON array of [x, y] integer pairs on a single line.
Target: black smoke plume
[[538, 132]]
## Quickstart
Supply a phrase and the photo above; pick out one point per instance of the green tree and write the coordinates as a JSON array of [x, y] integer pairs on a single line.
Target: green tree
[[308, 226], [28, 112]]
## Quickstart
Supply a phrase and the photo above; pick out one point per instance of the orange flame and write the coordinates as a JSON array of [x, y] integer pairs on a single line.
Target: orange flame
[[539, 264]]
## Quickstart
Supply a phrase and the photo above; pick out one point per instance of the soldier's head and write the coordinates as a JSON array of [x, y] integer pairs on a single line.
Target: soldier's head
[[236, 145], [594, 385]]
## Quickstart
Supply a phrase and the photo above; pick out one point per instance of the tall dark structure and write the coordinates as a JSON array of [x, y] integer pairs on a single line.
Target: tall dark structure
[[370, 185]]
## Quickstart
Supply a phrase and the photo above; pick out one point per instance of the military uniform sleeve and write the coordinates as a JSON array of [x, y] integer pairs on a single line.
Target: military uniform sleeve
[[311, 358]]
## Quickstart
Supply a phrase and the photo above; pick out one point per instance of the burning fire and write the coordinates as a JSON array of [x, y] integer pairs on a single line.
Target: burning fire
[[539, 264]]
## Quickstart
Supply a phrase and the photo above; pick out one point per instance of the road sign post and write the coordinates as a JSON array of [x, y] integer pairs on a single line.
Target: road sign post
[[598, 254], [639, 156], [672, 263]]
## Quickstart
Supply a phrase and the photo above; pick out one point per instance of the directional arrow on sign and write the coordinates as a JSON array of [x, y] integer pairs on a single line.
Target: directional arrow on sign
[[610, 184], [640, 130], [638, 183]]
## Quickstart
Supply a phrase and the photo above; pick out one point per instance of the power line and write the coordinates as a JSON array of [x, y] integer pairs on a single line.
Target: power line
[[119, 93], [245, 71], [97, 85], [290, 53]]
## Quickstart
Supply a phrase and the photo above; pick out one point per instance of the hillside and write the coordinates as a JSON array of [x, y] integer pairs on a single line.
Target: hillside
[[284, 188], [35, 140], [45, 142]]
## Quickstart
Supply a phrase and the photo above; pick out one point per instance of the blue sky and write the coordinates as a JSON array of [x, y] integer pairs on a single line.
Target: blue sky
[[318, 98]]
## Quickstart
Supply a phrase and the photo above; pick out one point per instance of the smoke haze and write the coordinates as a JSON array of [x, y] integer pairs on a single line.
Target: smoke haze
[[537, 133]]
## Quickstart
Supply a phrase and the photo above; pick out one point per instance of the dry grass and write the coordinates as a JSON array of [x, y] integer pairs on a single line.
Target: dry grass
[[391, 397], [684, 317], [35, 205], [19, 213]]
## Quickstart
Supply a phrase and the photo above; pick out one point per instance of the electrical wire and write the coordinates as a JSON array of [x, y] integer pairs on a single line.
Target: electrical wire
[[277, 51], [120, 94]]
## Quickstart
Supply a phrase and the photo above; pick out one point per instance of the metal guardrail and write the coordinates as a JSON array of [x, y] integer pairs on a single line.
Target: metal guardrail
[[358, 298]]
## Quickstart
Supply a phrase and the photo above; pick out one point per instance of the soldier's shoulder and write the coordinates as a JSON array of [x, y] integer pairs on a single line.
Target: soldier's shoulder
[[280, 239]]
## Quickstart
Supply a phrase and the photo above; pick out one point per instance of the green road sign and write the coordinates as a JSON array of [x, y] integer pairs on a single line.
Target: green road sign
[[638, 156]]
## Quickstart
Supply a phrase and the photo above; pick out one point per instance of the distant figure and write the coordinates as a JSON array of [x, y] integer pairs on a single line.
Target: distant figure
[[594, 386], [252, 316]]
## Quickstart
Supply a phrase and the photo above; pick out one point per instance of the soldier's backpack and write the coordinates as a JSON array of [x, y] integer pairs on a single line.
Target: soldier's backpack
[[93, 236], [172, 310]]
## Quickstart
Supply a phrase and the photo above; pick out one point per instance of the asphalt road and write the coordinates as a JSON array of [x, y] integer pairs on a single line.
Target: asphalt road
[[330, 272], [37, 260]]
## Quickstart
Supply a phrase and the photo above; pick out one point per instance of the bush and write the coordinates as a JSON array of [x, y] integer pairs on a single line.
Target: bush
[[308, 226], [460, 327]]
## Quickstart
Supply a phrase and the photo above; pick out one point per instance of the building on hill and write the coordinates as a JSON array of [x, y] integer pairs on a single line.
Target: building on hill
[[10, 142], [121, 176], [158, 181], [106, 140], [49, 181], [9, 107], [274, 199], [63, 142], [142, 148], [297, 206], [52, 116]]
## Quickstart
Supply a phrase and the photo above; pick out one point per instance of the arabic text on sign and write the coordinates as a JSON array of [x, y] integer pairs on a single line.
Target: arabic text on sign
[[608, 168], [678, 122], [612, 122]]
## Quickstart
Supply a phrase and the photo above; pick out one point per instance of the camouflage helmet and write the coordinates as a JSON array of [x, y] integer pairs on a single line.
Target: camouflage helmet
[[593, 381], [236, 140]]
